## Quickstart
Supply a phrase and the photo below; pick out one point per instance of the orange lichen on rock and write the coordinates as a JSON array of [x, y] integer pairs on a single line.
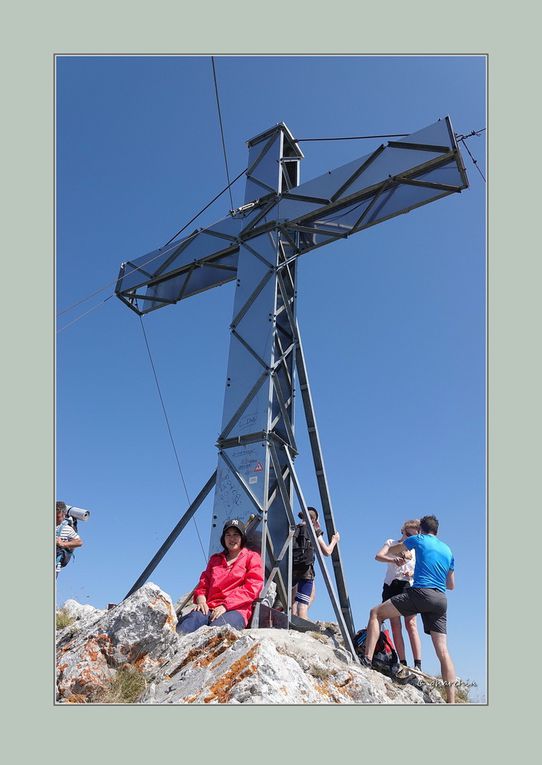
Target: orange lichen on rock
[[238, 671], [170, 619], [205, 652], [141, 660], [98, 645], [325, 690]]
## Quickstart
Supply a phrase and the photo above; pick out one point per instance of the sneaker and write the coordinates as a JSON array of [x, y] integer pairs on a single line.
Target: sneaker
[[365, 662]]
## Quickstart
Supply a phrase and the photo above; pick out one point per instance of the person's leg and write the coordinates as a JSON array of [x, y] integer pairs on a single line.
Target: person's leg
[[233, 618], [414, 638], [192, 622], [447, 669], [294, 601], [385, 611], [303, 597], [398, 641]]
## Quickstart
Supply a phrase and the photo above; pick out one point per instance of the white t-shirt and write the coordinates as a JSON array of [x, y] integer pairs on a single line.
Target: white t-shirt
[[66, 532], [404, 572]]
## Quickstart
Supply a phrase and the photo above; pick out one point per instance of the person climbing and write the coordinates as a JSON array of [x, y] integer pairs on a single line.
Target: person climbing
[[399, 576], [66, 538], [229, 585], [433, 575], [303, 563]]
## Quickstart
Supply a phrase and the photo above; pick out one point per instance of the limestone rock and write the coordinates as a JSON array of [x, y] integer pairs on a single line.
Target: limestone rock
[[82, 616], [139, 632], [217, 665], [223, 666]]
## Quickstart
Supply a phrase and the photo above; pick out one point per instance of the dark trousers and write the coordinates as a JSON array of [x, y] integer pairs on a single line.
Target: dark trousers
[[195, 619]]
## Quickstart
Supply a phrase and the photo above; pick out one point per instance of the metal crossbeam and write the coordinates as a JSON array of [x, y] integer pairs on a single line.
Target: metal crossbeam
[[258, 245]]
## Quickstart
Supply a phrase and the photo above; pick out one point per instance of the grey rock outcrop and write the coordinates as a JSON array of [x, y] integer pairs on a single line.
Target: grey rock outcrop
[[214, 665], [140, 632]]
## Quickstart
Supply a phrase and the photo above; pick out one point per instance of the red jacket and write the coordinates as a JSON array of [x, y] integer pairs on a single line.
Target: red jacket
[[235, 587]]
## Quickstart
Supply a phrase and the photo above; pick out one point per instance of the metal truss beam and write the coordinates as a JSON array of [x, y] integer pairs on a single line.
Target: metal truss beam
[[321, 478], [345, 631], [172, 536]]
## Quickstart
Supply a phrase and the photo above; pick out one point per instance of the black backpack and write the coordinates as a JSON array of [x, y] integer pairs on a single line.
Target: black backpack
[[303, 554]]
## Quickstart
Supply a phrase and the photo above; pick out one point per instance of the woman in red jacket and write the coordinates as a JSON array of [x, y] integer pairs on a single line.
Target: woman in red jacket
[[229, 585]]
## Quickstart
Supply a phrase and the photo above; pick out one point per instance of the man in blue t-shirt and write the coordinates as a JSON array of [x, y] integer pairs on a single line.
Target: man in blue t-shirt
[[433, 575]]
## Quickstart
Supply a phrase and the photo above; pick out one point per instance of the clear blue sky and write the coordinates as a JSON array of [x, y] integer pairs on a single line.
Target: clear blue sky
[[393, 319]]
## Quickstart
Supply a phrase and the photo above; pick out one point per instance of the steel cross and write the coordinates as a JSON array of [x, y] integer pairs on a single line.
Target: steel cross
[[258, 245]]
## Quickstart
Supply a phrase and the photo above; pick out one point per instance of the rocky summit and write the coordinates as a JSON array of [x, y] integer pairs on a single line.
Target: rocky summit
[[133, 654]]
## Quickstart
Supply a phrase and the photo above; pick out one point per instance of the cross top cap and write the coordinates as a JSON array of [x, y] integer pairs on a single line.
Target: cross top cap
[[280, 127]]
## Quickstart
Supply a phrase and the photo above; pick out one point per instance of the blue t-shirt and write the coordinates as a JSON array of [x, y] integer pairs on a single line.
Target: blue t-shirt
[[433, 561]]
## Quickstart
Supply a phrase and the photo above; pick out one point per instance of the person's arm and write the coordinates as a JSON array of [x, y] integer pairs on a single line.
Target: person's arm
[[69, 544], [201, 590], [328, 549], [450, 580], [249, 588], [384, 555], [397, 550]]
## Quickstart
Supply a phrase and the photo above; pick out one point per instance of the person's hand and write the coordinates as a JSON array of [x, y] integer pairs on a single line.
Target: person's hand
[[216, 612], [407, 555], [201, 604], [60, 542], [336, 537], [399, 561]]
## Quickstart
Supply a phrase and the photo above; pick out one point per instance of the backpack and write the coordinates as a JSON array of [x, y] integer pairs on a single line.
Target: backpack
[[385, 657], [302, 553], [359, 642], [63, 556]]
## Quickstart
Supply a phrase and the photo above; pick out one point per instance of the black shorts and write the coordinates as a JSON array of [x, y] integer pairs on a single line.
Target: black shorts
[[430, 603], [395, 588]]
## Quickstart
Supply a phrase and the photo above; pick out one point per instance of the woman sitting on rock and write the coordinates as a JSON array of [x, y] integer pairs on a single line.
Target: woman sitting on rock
[[229, 585]]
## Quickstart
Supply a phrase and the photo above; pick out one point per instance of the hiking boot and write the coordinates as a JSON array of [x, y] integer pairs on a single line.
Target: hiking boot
[[365, 662]]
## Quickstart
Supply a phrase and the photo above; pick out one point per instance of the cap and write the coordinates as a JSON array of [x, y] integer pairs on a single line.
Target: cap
[[234, 523]]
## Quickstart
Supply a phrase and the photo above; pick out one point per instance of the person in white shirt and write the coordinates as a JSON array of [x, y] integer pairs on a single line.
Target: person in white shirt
[[66, 538], [399, 576]]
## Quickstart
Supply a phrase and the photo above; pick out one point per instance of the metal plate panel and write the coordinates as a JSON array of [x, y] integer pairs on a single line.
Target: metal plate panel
[[164, 261], [327, 184], [400, 200], [230, 226], [243, 373], [231, 500], [391, 162], [257, 325], [437, 134], [293, 208]]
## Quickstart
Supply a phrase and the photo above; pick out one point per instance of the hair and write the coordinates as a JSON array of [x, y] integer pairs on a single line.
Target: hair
[[61, 507], [412, 524], [313, 510], [429, 524]]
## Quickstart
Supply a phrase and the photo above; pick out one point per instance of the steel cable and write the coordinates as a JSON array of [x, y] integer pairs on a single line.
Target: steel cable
[[169, 430]]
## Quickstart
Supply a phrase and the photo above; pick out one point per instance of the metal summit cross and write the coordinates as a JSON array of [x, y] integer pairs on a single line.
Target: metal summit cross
[[257, 246]]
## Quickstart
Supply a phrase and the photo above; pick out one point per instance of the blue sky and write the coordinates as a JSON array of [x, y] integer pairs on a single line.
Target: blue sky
[[393, 319]]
